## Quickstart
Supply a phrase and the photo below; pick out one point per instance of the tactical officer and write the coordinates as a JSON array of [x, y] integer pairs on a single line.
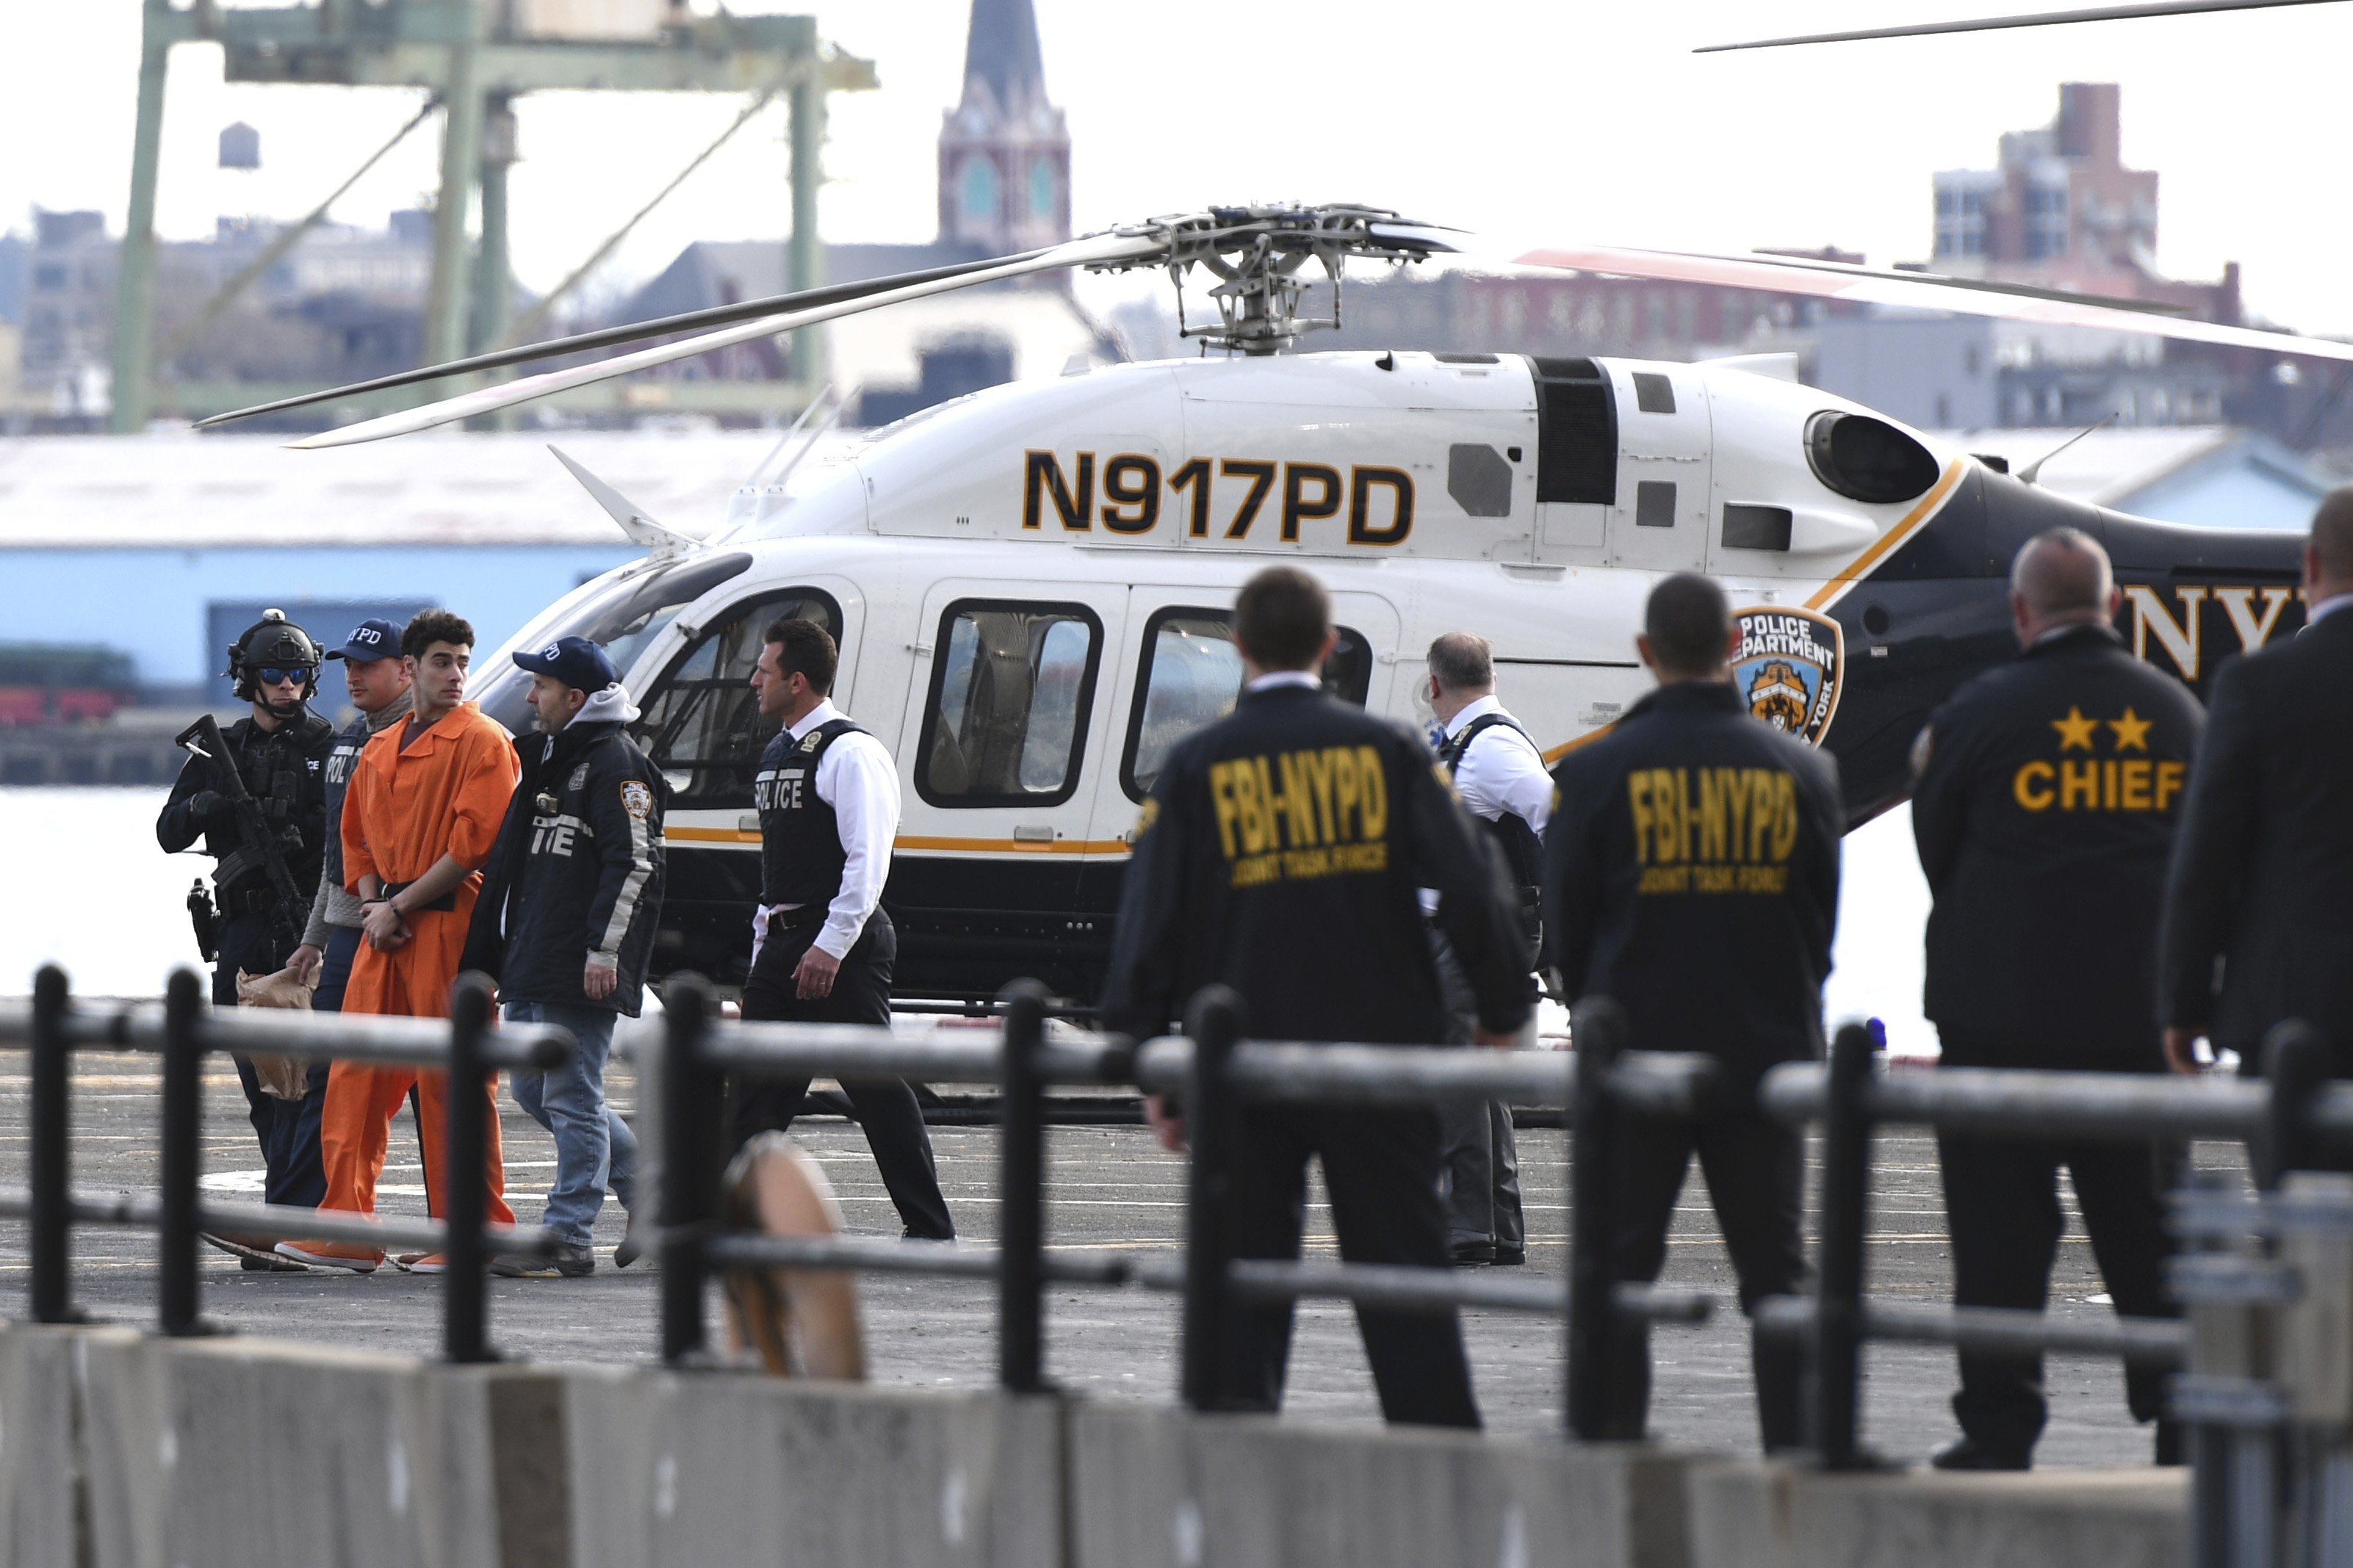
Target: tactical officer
[[1500, 773], [1281, 853], [566, 921], [2043, 800], [1691, 874], [279, 751], [822, 946]]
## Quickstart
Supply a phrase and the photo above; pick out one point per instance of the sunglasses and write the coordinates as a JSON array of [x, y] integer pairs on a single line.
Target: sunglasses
[[272, 675]]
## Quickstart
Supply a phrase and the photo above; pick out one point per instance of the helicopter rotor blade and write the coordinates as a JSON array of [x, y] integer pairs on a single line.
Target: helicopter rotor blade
[[1967, 297], [630, 332], [2036, 19], [1100, 248]]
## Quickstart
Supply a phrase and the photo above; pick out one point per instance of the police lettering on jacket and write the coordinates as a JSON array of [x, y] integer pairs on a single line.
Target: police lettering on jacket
[[2094, 783], [1298, 815], [1713, 830]]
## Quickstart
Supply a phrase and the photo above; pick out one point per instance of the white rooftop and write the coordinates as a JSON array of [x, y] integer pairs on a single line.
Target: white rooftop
[[174, 490]]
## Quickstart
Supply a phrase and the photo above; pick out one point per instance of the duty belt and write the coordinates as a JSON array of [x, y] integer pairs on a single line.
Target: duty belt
[[447, 903], [252, 901]]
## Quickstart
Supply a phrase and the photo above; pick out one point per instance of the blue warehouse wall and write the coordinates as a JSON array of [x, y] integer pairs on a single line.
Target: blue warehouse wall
[[154, 604]]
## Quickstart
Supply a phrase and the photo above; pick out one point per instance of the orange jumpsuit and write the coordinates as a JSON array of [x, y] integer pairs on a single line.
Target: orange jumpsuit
[[446, 794]]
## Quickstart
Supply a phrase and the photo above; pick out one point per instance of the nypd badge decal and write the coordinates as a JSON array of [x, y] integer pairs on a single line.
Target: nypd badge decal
[[637, 799], [1788, 668]]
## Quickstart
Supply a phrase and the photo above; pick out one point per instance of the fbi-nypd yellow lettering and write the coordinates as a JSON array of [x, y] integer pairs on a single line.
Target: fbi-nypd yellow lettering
[[1713, 830], [2099, 783], [1298, 815]]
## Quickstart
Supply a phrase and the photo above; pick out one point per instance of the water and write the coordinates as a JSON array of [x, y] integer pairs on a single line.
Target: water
[[83, 884]]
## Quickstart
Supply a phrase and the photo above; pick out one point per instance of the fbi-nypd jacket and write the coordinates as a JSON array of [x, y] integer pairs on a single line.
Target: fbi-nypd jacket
[[1691, 874], [1280, 853], [576, 873], [2043, 801]]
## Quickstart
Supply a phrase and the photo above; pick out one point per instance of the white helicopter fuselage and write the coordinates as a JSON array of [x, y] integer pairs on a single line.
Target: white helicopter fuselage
[[1044, 548]]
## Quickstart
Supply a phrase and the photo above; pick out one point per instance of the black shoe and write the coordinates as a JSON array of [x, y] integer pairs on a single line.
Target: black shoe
[[1968, 1454], [1506, 1256], [1467, 1253], [907, 1233], [629, 1251], [2170, 1443]]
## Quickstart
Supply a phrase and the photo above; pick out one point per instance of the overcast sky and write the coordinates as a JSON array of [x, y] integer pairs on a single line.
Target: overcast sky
[[1529, 121]]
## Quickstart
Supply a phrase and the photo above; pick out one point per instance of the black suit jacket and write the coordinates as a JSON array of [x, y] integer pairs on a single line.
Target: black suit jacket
[[2259, 898], [1282, 852], [2045, 807], [1691, 874]]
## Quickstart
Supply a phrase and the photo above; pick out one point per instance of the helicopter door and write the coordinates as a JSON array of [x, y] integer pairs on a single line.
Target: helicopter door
[[1658, 522], [1004, 736]]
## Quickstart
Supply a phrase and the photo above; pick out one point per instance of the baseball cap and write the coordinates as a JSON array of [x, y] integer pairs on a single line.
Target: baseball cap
[[370, 640], [576, 661]]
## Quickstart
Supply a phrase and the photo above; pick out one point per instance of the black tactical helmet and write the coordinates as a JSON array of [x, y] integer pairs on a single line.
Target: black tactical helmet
[[273, 642]]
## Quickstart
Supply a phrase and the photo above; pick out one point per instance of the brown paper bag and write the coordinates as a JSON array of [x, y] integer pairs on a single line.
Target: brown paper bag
[[281, 1077]]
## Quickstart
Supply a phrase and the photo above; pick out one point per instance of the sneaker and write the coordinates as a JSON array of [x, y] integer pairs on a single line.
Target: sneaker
[[255, 1253], [574, 1259], [332, 1255], [421, 1263], [519, 1266]]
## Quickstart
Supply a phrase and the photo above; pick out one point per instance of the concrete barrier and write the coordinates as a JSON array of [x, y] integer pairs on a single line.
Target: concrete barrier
[[1159, 1489], [695, 1470], [44, 1484], [1778, 1516], [132, 1452], [118, 1451]]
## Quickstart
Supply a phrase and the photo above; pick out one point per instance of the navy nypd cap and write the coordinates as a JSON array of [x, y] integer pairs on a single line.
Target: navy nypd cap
[[576, 661], [370, 640]]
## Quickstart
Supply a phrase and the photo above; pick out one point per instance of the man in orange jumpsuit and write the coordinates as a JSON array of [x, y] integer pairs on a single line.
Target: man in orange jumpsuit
[[420, 814]]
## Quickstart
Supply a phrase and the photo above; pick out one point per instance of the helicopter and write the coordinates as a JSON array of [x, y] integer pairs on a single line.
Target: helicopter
[[1031, 585]]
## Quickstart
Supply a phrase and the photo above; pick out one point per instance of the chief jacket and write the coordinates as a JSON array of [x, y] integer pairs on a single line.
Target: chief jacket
[[580, 883], [1280, 852], [2259, 902], [2043, 804], [1690, 875], [283, 768]]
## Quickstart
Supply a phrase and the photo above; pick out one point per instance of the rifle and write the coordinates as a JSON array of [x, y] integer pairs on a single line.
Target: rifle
[[203, 739]]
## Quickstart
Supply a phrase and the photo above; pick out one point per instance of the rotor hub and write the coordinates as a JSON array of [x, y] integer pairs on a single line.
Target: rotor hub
[[1261, 258]]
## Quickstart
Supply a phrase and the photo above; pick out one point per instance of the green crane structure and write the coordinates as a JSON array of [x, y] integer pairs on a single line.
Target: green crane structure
[[476, 56]]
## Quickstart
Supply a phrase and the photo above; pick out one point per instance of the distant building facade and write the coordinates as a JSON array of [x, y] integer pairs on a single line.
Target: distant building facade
[[1005, 150]]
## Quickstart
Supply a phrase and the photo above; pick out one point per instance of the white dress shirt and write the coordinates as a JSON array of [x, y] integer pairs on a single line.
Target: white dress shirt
[[1502, 771], [855, 777], [1274, 677], [2326, 608]]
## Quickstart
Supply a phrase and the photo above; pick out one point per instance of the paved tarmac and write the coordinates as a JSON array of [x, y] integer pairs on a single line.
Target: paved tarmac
[[1111, 1186]]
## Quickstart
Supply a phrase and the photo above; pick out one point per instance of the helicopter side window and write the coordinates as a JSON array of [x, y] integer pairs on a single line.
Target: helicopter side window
[[1011, 688], [1191, 676], [702, 725]]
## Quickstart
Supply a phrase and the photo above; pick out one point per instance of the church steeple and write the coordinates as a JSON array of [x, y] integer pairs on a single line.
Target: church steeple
[[1004, 151]]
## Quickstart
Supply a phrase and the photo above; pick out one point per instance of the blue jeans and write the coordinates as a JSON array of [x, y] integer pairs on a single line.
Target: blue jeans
[[594, 1147]]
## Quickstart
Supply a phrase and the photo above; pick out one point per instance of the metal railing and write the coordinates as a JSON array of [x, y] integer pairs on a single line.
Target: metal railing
[[2265, 1357], [2267, 1380], [181, 1031], [1215, 1072]]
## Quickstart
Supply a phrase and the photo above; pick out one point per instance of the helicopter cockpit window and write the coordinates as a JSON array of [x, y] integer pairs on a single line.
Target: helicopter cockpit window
[[1011, 686], [623, 617], [702, 723], [1191, 676]]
